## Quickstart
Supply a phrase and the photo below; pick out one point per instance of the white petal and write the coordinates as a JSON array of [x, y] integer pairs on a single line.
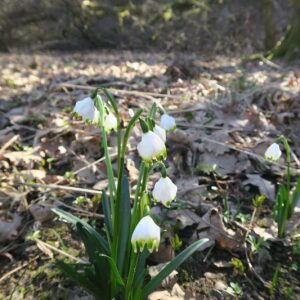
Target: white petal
[[164, 191], [167, 122], [160, 132], [146, 230], [150, 146], [273, 152], [110, 122], [87, 110]]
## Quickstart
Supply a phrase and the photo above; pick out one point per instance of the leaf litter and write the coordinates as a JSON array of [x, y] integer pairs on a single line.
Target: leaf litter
[[225, 123]]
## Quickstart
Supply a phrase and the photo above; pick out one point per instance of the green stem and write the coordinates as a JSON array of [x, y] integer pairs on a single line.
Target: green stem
[[133, 263], [120, 176], [138, 186], [111, 180], [114, 105]]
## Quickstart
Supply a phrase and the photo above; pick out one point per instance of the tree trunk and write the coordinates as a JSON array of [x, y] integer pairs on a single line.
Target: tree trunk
[[269, 24], [289, 46]]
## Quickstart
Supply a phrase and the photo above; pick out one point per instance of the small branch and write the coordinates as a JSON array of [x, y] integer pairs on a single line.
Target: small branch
[[250, 266], [5, 276], [78, 260], [62, 187], [9, 143], [118, 91]]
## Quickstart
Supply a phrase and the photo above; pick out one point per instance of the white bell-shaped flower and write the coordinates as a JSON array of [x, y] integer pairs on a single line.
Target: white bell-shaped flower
[[273, 152], [160, 132], [164, 191], [87, 110], [147, 233], [110, 122], [151, 147], [167, 122]]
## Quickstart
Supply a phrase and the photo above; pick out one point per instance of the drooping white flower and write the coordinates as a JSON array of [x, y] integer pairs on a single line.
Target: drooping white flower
[[273, 152], [160, 132], [164, 191], [167, 122], [110, 122], [151, 146], [146, 233], [87, 110]]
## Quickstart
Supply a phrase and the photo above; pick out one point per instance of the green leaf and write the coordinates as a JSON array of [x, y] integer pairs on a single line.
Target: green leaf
[[112, 100], [153, 111], [94, 251], [107, 213], [101, 242], [124, 217], [295, 197], [114, 270], [175, 263], [140, 271]]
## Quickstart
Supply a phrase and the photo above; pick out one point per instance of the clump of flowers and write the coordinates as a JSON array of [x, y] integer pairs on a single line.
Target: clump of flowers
[[285, 200], [117, 256]]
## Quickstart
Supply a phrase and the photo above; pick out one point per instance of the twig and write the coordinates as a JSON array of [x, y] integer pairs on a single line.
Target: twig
[[5, 276], [87, 213], [61, 251], [208, 253], [9, 143], [119, 91], [62, 187], [250, 266]]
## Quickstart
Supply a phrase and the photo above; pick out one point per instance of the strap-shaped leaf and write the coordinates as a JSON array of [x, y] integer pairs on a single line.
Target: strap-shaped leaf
[[295, 197], [139, 277], [175, 263], [114, 270], [107, 212], [101, 242], [100, 263], [124, 219]]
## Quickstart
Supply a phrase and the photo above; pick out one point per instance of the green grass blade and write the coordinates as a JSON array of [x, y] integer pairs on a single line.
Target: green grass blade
[[175, 263]]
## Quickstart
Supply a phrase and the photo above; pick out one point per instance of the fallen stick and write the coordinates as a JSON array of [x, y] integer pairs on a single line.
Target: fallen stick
[[118, 91], [63, 187]]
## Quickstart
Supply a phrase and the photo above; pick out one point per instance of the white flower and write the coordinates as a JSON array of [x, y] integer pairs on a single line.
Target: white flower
[[110, 122], [164, 191], [160, 132], [87, 110], [167, 122], [273, 152], [151, 146], [147, 233]]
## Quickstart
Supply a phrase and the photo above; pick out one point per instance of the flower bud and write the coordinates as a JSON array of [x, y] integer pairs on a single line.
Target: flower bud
[[151, 147], [110, 122], [160, 132], [273, 152], [164, 191], [167, 122], [87, 110], [146, 233]]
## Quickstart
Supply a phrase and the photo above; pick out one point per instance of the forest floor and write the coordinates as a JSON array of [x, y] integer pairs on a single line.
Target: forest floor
[[228, 111]]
